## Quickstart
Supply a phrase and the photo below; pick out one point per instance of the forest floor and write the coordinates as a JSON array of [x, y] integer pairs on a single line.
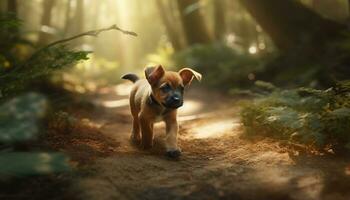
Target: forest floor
[[217, 161]]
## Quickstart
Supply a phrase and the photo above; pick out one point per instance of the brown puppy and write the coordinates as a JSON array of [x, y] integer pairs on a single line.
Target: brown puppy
[[158, 97]]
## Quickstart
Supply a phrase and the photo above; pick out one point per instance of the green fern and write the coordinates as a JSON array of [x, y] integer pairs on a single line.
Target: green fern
[[316, 117]]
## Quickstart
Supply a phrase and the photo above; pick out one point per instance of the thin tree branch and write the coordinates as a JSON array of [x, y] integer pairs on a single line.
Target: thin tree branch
[[93, 33]]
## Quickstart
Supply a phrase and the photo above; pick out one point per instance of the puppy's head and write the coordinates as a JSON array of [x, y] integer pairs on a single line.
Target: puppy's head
[[167, 86]]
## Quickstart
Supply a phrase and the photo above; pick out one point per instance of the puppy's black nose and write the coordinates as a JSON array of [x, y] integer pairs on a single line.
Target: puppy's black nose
[[175, 99]]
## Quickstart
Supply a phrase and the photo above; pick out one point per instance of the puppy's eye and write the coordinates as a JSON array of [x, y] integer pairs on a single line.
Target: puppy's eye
[[165, 88]]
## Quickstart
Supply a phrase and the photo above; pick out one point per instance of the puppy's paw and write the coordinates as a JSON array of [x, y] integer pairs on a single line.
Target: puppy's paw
[[134, 140], [146, 145], [173, 153]]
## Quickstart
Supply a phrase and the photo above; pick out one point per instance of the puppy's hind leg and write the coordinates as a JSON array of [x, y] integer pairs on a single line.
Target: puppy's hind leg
[[135, 133], [146, 131]]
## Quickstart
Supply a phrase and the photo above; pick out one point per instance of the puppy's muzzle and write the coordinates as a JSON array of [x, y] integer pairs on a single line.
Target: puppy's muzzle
[[173, 102]]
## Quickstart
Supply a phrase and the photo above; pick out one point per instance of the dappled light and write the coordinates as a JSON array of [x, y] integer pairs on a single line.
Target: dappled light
[[308, 186], [190, 107], [116, 103], [123, 89], [252, 50], [347, 170], [215, 129], [174, 99]]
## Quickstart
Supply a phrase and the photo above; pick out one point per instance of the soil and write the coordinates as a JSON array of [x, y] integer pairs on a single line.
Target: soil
[[217, 162]]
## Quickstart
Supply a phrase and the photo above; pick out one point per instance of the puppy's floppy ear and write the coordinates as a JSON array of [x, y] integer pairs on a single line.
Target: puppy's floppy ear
[[153, 74], [187, 75]]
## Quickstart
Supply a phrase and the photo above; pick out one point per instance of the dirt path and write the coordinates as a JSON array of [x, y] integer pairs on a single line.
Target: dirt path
[[216, 162]]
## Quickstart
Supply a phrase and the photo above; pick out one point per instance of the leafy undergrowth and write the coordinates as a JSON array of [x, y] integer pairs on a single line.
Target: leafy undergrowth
[[19, 121], [22, 108], [69, 132], [317, 118]]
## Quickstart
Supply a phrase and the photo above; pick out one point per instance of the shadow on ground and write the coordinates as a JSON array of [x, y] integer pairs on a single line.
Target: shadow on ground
[[217, 162]]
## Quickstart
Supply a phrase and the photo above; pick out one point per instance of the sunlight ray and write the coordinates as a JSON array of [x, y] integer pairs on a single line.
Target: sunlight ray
[[123, 89], [190, 107], [116, 103], [215, 129]]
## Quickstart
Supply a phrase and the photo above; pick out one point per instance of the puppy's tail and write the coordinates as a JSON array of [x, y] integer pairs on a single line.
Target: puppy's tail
[[131, 77]]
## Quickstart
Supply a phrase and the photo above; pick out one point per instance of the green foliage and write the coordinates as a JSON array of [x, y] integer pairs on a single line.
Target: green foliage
[[8, 20], [222, 66], [42, 64], [9, 26], [305, 115], [19, 122], [16, 72], [19, 118], [265, 85], [9, 39]]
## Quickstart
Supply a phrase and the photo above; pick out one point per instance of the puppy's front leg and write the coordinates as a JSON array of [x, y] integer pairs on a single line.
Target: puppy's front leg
[[146, 131], [172, 128]]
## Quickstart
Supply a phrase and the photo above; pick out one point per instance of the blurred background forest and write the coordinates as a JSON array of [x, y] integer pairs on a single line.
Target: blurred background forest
[[239, 40], [289, 60]]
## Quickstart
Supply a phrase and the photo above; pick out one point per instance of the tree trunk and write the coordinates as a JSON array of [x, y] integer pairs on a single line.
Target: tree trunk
[[79, 21], [304, 39], [44, 36], [349, 9], [219, 19], [173, 35], [96, 13], [193, 22], [12, 6], [79, 16], [290, 24], [331, 9], [67, 18]]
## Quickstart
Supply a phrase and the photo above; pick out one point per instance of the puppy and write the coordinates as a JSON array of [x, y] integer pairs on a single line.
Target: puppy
[[158, 97]]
